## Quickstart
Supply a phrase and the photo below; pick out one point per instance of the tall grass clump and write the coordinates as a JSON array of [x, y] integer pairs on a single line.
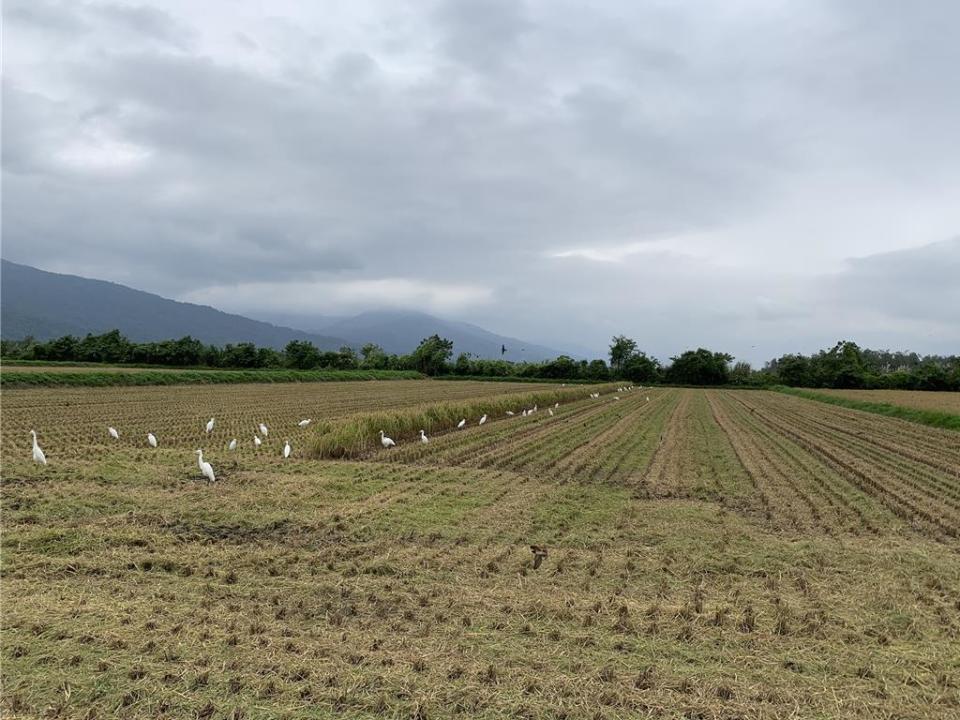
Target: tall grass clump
[[933, 418], [359, 434]]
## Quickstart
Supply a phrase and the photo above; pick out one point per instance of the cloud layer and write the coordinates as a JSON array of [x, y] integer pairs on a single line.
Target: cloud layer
[[759, 177]]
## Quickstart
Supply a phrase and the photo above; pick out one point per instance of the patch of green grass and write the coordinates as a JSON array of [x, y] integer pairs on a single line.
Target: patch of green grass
[[933, 418], [107, 378], [578, 515]]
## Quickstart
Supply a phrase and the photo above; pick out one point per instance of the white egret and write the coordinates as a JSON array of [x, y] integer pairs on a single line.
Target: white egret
[[263, 430], [524, 413], [423, 437], [304, 423], [286, 449], [38, 456], [232, 445], [256, 441], [648, 398], [510, 413], [616, 397], [482, 420], [151, 440], [534, 408], [210, 425], [205, 467], [385, 441], [461, 424], [556, 405], [550, 410], [113, 433]]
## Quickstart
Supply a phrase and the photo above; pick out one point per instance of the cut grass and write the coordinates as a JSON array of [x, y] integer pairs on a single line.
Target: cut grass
[[106, 378], [314, 588], [933, 418]]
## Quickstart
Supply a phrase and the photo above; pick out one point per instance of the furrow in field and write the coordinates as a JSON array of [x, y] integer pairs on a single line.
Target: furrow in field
[[607, 456], [780, 495], [460, 447], [937, 486], [938, 450], [629, 452], [903, 498], [846, 505], [533, 453]]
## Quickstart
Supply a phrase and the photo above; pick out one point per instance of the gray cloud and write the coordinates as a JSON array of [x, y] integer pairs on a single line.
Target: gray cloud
[[688, 177]]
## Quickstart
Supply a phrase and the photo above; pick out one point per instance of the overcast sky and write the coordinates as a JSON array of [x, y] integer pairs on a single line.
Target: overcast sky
[[755, 177]]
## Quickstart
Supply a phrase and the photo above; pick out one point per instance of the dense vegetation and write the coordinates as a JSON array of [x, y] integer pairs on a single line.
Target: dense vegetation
[[845, 365]]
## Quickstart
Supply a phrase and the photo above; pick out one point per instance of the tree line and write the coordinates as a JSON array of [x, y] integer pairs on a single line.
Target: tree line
[[845, 365], [433, 356]]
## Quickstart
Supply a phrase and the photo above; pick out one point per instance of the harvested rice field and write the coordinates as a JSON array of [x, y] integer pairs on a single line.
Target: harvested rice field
[[699, 554], [917, 399]]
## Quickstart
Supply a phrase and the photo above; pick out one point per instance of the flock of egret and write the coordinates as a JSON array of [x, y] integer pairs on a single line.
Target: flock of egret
[[207, 470], [389, 442]]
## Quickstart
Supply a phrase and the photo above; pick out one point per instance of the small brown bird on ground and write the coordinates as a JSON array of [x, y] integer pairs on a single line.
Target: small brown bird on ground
[[539, 553]]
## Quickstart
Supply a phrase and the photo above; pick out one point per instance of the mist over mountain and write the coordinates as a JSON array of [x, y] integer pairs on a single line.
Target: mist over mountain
[[46, 305]]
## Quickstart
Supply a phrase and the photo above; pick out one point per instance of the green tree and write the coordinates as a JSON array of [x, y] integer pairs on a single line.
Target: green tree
[[621, 348], [462, 365], [597, 370], [432, 354], [374, 357], [639, 368], [741, 374], [700, 367], [347, 358], [793, 370], [301, 354]]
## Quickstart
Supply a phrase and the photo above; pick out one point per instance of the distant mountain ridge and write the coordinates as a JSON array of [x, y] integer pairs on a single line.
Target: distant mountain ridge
[[399, 331], [46, 305]]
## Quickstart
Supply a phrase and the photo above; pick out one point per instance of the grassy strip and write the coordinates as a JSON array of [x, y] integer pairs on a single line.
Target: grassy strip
[[360, 434], [517, 379], [933, 418], [15, 379]]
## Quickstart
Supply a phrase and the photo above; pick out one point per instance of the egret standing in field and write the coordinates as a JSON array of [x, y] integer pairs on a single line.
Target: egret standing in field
[[304, 423], [461, 424], [210, 425], [385, 441], [550, 410], [263, 430], [232, 445], [38, 456], [286, 449], [510, 413], [205, 467], [151, 440], [482, 420], [113, 433], [423, 437], [256, 441]]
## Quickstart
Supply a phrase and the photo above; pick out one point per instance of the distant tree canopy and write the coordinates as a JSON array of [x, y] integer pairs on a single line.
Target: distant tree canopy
[[845, 365], [432, 354], [621, 349], [699, 367]]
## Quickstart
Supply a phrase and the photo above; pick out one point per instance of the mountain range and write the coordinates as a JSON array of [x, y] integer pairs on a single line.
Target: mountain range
[[46, 305]]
